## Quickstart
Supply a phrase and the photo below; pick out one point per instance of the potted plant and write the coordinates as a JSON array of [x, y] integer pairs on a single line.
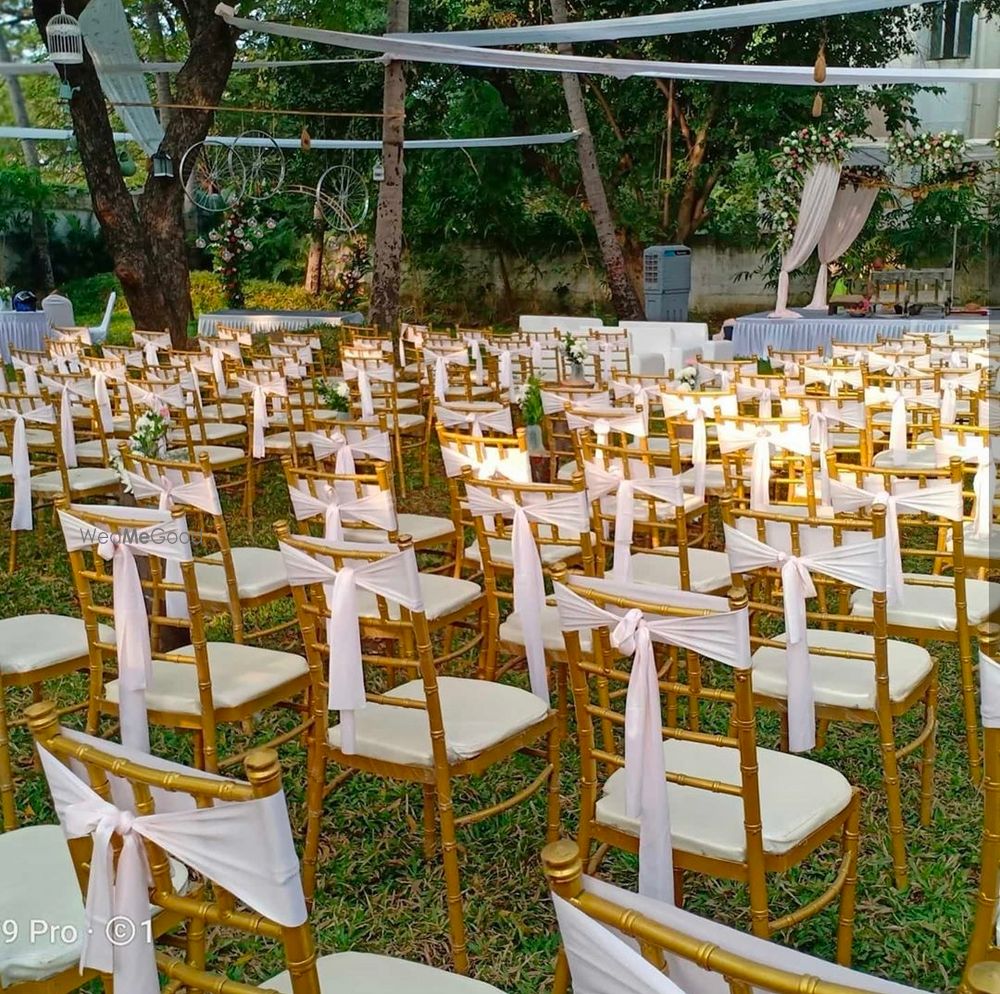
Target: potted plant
[[336, 396], [532, 414], [576, 355]]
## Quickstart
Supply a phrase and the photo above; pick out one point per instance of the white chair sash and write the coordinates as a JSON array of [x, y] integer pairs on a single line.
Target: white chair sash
[[395, 577], [569, 513], [834, 378], [516, 466], [476, 348], [336, 443], [794, 438], [984, 483], [21, 519], [67, 390], [861, 565], [851, 415], [364, 375], [441, 361], [763, 395], [628, 423], [499, 420], [103, 398], [723, 635], [602, 482], [505, 366], [246, 848], [640, 394], [165, 537], [375, 509], [989, 685], [260, 391], [943, 500], [30, 371], [950, 385], [170, 396]]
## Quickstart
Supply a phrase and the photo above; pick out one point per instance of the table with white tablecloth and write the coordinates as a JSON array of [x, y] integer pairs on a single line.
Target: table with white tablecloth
[[754, 333], [264, 322], [22, 330]]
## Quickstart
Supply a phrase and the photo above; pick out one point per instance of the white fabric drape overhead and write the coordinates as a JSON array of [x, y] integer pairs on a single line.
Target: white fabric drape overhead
[[850, 211], [109, 41], [818, 194]]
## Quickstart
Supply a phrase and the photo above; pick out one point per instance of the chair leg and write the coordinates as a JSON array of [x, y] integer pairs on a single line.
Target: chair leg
[[449, 855], [560, 982], [12, 552], [969, 706], [552, 829], [315, 785], [430, 821], [890, 778], [848, 895], [7, 807]]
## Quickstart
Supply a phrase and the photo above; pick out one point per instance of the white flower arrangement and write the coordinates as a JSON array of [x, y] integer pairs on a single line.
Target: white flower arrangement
[[575, 349], [335, 394], [688, 377], [148, 438], [935, 154]]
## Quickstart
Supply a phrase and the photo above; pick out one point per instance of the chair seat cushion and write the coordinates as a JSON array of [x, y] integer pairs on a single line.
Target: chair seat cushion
[[6, 466], [566, 471], [281, 441], [227, 412], [210, 431], [420, 527], [367, 973], [258, 572], [501, 554], [81, 479], [933, 606], [923, 457], [401, 419], [715, 477], [40, 885], [512, 631], [39, 438], [477, 714], [848, 683], [239, 674], [797, 796], [92, 451], [442, 596], [709, 570], [31, 642], [218, 455], [980, 548]]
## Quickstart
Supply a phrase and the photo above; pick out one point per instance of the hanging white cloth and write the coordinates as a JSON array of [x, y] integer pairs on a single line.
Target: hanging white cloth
[[364, 374], [984, 482], [603, 482], [260, 391], [847, 217], [818, 193], [165, 537], [512, 465], [570, 514], [395, 577], [861, 565], [21, 519], [103, 398], [723, 635], [345, 448], [942, 500], [166, 396], [761, 438], [499, 420], [375, 509], [475, 346], [244, 847]]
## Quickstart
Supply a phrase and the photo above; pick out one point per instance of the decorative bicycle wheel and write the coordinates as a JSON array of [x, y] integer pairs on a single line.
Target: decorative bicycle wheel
[[343, 195], [265, 165], [213, 176]]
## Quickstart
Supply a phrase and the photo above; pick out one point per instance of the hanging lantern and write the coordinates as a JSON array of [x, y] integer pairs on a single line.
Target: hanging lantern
[[163, 165], [817, 110], [819, 69], [378, 172], [306, 140], [64, 39], [66, 92], [126, 164]]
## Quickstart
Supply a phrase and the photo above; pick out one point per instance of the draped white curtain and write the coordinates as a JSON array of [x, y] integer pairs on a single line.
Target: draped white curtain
[[818, 194], [850, 211]]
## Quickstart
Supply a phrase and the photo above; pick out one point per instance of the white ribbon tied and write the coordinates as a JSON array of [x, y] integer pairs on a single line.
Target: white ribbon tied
[[514, 466], [375, 509], [794, 438], [260, 391], [984, 482], [499, 420], [345, 448], [21, 519]]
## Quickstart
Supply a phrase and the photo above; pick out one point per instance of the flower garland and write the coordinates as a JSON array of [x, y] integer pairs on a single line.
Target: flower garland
[[229, 244], [936, 155]]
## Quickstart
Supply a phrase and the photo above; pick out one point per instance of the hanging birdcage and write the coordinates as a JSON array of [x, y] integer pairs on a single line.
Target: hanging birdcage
[[64, 38]]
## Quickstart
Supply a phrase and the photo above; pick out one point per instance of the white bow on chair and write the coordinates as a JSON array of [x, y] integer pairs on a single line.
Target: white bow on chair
[[383, 373], [763, 395], [950, 385], [506, 354], [852, 415], [375, 509], [260, 391], [568, 513], [602, 482], [475, 345], [723, 635], [67, 390], [30, 371], [21, 519], [499, 420], [395, 577], [171, 396], [515, 466], [640, 394], [861, 565], [891, 365], [165, 537], [789, 368], [246, 848], [336, 443], [628, 423], [441, 361], [794, 438], [943, 500], [984, 483], [834, 377]]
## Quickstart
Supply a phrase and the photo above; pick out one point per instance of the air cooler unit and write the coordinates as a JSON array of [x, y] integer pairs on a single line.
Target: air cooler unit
[[666, 273]]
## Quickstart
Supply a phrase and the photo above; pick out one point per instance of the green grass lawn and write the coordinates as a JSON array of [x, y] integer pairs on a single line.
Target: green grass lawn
[[377, 894]]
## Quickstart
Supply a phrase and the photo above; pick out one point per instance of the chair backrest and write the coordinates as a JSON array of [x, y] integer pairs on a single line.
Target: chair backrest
[[607, 927], [59, 310], [235, 834]]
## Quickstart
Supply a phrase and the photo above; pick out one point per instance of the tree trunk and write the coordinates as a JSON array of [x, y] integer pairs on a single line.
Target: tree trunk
[[317, 241], [623, 296], [386, 275], [41, 258], [145, 235]]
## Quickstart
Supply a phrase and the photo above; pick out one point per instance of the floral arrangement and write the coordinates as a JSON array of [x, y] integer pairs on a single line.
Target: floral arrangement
[[335, 395], [688, 376], [575, 349], [936, 155], [530, 399], [229, 244], [148, 438], [6, 292]]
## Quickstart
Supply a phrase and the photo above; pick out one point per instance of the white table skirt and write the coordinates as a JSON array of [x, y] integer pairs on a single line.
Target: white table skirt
[[263, 323], [753, 334], [22, 330]]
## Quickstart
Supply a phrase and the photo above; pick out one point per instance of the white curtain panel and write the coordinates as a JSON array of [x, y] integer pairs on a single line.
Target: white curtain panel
[[850, 211], [818, 194]]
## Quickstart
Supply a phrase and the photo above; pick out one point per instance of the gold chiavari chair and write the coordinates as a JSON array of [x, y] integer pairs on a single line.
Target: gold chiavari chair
[[432, 729], [982, 967], [313, 341], [736, 811], [231, 579], [196, 688], [857, 674]]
